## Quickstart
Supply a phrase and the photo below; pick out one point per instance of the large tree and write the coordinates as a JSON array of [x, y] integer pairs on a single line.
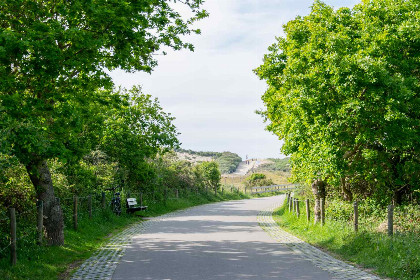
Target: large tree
[[344, 96], [55, 58], [137, 130]]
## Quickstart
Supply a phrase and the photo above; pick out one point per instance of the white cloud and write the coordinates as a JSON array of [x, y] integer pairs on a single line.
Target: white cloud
[[213, 92]]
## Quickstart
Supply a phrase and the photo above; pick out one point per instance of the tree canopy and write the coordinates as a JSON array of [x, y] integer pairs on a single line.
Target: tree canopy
[[55, 55], [57, 99], [343, 94]]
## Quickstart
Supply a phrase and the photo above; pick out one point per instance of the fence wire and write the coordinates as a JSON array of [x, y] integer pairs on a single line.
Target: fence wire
[[26, 221]]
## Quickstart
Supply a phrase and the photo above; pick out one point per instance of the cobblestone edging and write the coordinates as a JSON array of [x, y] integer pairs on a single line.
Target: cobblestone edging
[[338, 269], [104, 261]]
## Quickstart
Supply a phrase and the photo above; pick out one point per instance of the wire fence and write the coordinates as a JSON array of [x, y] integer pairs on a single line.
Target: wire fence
[[389, 220], [25, 229]]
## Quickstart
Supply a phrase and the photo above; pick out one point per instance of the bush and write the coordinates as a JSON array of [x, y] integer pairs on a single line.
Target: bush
[[258, 179]]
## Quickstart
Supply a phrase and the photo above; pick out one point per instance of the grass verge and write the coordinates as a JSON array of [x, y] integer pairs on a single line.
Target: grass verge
[[396, 257], [42, 262]]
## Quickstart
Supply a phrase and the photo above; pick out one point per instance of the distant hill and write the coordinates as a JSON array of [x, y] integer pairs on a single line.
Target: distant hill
[[228, 162], [276, 164]]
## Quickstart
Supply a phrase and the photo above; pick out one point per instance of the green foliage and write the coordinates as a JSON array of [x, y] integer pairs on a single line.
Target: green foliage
[[228, 162], [210, 173], [373, 216], [395, 257], [136, 131], [200, 153], [256, 176], [57, 99], [344, 96], [407, 218], [16, 190], [258, 179]]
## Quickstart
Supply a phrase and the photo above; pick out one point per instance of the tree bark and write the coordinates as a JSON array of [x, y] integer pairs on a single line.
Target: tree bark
[[347, 194], [318, 189], [40, 176]]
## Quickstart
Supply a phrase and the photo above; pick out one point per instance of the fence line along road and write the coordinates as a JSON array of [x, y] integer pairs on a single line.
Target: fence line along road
[[273, 188]]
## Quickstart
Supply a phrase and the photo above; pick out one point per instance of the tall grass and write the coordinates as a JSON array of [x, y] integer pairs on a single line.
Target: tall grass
[[397, 257]]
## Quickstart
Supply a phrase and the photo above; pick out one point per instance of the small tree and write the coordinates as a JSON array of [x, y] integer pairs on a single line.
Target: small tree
[[258, 179], [211, 174]]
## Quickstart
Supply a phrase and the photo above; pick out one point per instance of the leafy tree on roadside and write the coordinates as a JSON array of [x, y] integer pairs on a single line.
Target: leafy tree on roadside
[[55, 88], [135, 131], [258, 179], [344, 96], [210, 174]]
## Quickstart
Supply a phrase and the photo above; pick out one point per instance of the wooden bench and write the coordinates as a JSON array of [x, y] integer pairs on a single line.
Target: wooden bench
[[132, 206]]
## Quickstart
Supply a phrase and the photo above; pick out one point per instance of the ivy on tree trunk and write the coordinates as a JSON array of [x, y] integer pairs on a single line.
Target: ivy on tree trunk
[[318, 189], [40, 176]]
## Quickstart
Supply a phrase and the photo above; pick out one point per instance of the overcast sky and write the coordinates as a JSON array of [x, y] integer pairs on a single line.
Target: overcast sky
[[212, 92]]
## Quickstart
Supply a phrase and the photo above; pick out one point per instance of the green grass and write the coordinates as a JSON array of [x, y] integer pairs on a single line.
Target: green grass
[[396, 257], [42, 262]]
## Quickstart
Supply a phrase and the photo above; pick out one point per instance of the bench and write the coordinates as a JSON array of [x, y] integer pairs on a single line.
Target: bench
[[132, 206]]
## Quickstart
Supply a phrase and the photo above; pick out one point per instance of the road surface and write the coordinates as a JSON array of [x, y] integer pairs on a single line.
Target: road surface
[[215, 241]]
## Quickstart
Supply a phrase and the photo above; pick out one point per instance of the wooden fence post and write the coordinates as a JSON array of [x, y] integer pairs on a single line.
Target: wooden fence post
[[290, 204], [75, 212], [356, 216], [176, 193], [297, 208], [308, 211], [215, 190], [322, 211], [141, 198], [293, 204], [90, 206], [103, 200], [390, 220], [40, 221], [13, 236]]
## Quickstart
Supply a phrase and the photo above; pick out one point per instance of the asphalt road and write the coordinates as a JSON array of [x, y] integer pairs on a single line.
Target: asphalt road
[[214, 241]]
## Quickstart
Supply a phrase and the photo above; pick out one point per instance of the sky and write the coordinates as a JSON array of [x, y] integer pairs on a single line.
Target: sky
[[213, 92]]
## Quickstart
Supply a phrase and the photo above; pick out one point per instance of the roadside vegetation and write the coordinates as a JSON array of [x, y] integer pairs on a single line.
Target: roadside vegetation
[[242, 182], [257, 179], [58, 262], [172, 185], [396, 257], [343, 94]]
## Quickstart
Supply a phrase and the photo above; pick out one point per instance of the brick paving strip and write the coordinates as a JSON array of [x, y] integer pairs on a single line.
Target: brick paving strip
[[104, 261], [338, 269]]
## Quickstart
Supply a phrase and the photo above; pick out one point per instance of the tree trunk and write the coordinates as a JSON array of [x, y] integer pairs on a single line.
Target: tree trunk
[[347, 194], [318, 189], [53, 215]]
